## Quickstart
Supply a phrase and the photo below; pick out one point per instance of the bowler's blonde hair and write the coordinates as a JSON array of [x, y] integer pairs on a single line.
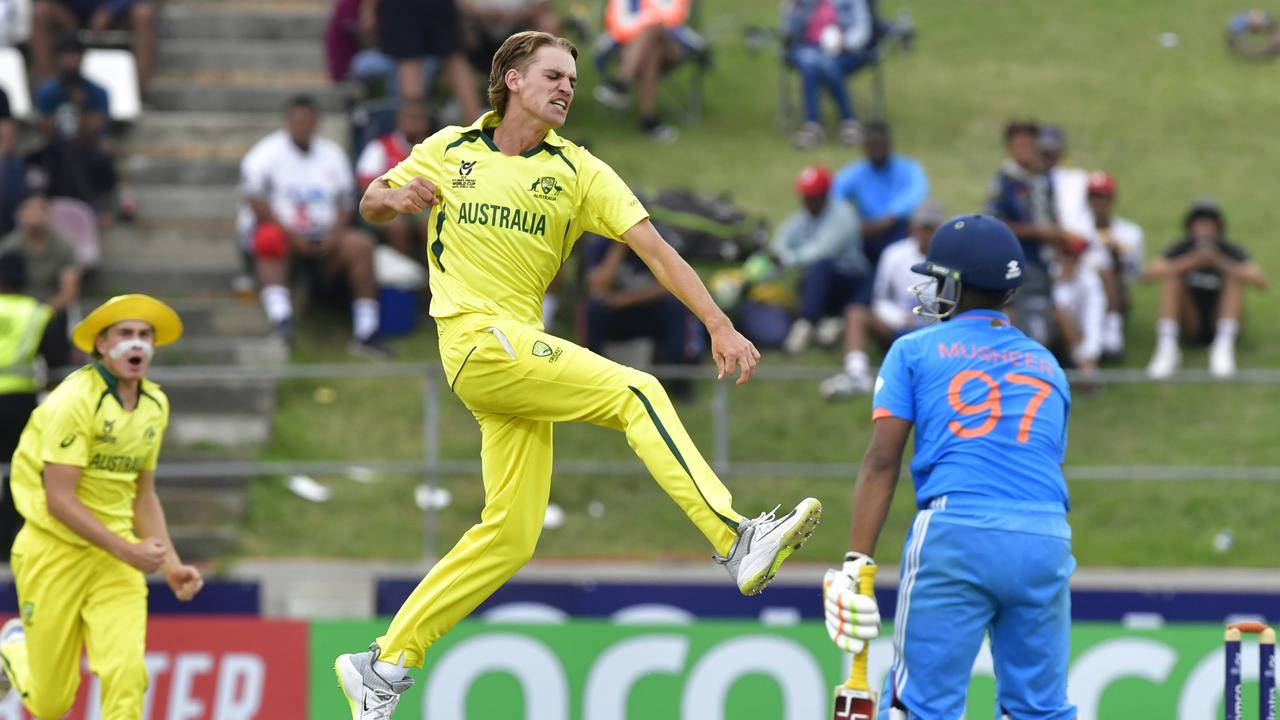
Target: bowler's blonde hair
[[516, 53]]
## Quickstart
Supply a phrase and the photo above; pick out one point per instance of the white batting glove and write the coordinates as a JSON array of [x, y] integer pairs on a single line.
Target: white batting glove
[[852, 618]]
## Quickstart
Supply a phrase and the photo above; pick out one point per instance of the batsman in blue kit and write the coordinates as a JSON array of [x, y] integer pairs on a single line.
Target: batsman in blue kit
[[989, 552]]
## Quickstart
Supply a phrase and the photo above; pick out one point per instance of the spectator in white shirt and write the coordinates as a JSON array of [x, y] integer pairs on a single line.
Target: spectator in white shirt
[[1080, 304], [299, 196], [892, 302], [1116, 252], [413, 124]]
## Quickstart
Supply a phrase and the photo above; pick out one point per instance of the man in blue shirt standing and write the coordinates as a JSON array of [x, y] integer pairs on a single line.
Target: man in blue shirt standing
[[885, 188], [990, 550]]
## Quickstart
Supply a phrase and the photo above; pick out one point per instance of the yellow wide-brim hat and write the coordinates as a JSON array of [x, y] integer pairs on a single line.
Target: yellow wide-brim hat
[[161, 317]]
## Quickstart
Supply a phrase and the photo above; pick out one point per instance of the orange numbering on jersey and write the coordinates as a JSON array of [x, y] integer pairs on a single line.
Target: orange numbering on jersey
[[991, 404]]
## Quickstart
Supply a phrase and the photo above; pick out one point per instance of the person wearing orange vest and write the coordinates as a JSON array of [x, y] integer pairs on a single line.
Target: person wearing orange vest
[[648, 37], [26, 335]]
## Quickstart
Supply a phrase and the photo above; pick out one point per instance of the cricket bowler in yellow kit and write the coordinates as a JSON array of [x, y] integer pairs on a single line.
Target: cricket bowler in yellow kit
[[509, 197], [84, 480]]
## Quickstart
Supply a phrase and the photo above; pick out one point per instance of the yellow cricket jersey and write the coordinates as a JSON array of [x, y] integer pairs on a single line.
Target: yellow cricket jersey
[[83, 424], [503, 225]]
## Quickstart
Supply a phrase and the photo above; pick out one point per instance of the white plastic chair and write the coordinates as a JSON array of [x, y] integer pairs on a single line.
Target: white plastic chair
[[117, 72], [13, 79], [15, 21], [77, 221]]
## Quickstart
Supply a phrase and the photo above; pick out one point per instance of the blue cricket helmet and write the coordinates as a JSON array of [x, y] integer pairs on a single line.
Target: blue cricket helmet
[[975, 250]]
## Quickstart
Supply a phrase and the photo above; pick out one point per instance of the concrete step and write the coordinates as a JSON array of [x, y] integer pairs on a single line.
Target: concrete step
[[242, 23], [156, 131], [171, 95], [153, 170], [116, 278], [195, 543], [224, 316], [177, 201], [192, 54], [248, 6], [201, 506], [253, 76], [167, 250], [228, 350], [221, 397], [193, 429]]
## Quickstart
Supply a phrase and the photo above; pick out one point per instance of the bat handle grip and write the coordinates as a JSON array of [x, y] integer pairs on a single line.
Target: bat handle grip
[[858, 673]]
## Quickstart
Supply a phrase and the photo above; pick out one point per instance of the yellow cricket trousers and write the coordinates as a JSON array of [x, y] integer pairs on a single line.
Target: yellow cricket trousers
[[517, 381], [71, 598]]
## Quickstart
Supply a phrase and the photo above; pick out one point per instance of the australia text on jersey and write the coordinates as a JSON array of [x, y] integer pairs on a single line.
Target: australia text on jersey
[[1032, 361], [526, 221]]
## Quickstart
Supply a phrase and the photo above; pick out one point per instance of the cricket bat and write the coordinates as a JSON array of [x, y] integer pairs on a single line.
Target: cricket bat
[[854, 698]]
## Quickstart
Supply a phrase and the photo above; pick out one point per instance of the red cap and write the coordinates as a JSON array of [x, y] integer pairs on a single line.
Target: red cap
[[270, 241], [1075, 245], [1100, 183], [814, 180]]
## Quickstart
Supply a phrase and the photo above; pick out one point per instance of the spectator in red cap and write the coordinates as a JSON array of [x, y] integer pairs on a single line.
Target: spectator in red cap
[[1116, 252], [823, 239]]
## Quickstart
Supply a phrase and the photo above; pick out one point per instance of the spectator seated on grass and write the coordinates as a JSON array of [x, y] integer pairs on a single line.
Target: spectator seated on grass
[[52, 18], [410, 31], [413, 124], [891, 311], [1116, 252], [821, 239], [626, 302], [299, 196], [1080, 307], [826, 42], [892, 301], [1202, 279], [77, 156], [486, 23], [647, 38], [51, 273], [13, 168], [1021, 194]]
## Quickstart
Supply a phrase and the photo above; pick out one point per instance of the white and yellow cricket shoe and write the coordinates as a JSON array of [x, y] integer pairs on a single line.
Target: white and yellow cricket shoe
[[765, 542], [370, 696]]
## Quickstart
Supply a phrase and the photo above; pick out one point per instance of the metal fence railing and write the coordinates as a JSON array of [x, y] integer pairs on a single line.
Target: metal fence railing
[[432, 465]]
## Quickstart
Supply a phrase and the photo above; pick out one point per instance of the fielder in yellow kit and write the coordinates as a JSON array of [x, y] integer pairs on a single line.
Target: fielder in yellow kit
[[509, 197], [84, 480]]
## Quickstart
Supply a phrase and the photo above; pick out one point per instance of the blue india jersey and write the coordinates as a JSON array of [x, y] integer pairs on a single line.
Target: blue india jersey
[[989, 405]]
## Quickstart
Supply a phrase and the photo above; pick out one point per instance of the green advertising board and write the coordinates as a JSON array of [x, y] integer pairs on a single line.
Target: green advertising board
[[596, 670]]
